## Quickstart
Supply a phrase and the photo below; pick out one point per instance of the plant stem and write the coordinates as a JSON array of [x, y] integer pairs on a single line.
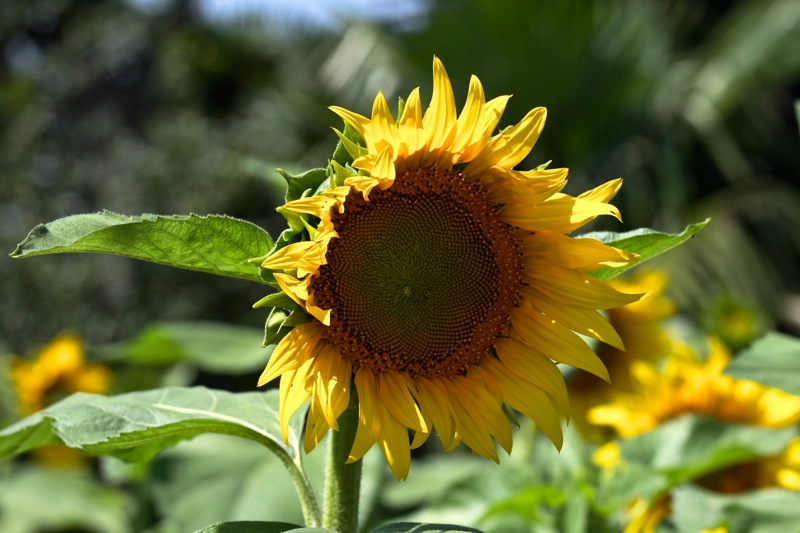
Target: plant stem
[[308, 501], [343, 481]]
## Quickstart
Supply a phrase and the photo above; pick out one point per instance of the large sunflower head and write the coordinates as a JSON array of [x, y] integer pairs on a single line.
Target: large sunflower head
[[688, 384], [441, 282]]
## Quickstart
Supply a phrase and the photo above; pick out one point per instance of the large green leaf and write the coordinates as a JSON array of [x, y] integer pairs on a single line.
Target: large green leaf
[[646, 242], [773, 360], [213, 244], [244, 478], [685, 449], [138, 425], [762, 511], [35, 499], [210, 346]]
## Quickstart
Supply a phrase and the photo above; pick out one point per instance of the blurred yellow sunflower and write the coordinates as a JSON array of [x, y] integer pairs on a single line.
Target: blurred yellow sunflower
[[442, 282], [687, 384], [58, 370], [640, 326]]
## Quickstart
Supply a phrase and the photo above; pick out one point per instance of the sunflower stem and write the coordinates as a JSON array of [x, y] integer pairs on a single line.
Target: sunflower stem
[[342, 480]]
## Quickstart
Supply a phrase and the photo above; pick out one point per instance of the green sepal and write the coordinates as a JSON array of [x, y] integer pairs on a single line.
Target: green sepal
[[510, 416], [352, 146], [278, 299], [340, 173], [274, 326], [298, 185], [544, 166], [266, 276], [401, 106]]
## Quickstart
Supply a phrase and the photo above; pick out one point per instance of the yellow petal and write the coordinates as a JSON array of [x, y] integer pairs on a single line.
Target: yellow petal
[[525, 363], [293, 394], [394, 386], [369, 423], [332, 387], [294, 288], [469, 129], [440, 118], [579, 319], [511, 146], [530, 401], [393, 440], [316, 425], [292, 351], [359, 123], [603, 193], [477, 415], [551, 339], [305, 254], [506, 186], [383, 132], [573, 288], [384, 168], [574, 253], [560, 213], [434, 402]]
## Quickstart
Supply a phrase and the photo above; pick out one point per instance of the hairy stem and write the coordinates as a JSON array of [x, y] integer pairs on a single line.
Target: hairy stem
[[343, 481]]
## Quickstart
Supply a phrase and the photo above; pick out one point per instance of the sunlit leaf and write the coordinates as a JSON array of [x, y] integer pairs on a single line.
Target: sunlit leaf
[[138, 425], [646, 242], [773, 360], [212, 244]]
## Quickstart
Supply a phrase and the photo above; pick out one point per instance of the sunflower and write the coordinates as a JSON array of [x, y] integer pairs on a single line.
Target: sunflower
[[687, 384], [641, 329], [441, 283], [59, 369]]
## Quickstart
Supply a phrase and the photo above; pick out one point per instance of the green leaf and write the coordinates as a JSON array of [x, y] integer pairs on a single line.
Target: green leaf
[[685, 449], [34, 498], [415, 527], [761, 511], [646, 242], [244, 478], [210, 346], [298, 185], [773, 360], [138, 425], [213, 244], [251, 527]]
